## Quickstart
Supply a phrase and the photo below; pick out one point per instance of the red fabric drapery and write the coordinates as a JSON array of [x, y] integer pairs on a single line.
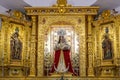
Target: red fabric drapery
[[56, 60], [66, 54]]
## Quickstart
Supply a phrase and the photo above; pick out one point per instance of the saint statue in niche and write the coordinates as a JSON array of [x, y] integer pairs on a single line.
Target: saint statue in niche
[[15, 45], [107, 46], [62, 61]]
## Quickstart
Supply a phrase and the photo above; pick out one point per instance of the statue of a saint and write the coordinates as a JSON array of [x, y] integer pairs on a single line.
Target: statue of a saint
[[107, 46], [62, 61], [15, 45]]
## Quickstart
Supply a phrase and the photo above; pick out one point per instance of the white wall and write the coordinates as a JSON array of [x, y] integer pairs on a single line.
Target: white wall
[[3, 10], [118, 9]]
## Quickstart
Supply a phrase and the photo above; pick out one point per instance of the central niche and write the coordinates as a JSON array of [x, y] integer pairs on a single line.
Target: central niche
[[51, 40]]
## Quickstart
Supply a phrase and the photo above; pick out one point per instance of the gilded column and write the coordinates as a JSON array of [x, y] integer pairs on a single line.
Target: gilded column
[[25, 55], [90, 48], [5, 41], [98, 53], [28, 42], [1, 43], [82, 43], [40, 61], [117, 45], [40, 56], [116, 54], [33, 47]]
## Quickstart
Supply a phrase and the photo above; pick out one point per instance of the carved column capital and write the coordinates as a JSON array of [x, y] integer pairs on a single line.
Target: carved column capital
[[33, 18]]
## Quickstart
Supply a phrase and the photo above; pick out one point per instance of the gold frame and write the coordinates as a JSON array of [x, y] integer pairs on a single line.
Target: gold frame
[[103, 66], [61, 14], [42, 31], [9, 23]]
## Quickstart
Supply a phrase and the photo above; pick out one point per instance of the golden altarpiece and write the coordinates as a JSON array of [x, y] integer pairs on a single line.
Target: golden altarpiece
[[27, 46]]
